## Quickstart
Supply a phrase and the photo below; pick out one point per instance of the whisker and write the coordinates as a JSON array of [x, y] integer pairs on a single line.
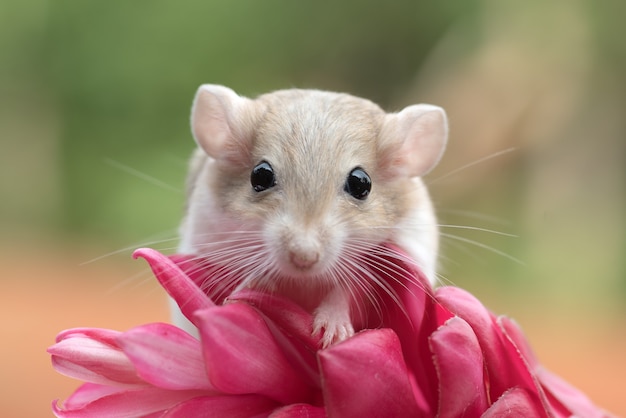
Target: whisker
[[379, 266], [463, 248], [475, 228], [131, 280], [444, 281], [128, 248], [484, 246], [143, 176], [350, 274], [476, 215], [466, 166]]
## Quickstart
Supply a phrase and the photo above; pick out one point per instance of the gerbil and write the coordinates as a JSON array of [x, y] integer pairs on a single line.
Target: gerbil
[[291, 188]]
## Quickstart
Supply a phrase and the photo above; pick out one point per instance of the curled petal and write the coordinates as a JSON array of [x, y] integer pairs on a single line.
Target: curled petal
[[231, 406], [456, 350], [126, 403], [166, 357], [515, 403], [503, 362], [82, 355], [366, 376], [180, 287], [207, 276], [105, 336], [242, 356]]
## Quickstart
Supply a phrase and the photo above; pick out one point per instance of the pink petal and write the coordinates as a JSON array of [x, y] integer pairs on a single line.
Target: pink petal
[[567, 397], [504, 365], [204, 274], [299, 411], [516, 403], [515, 335], [291, 327], [83, 354], [127, 404], [105, 336], [185, 292], [416, 319], [166, 356], [571, 398], [517, 344], [242, 356], [283, 312], [459, 363], [231, 406], [366, 376], [89, 392]]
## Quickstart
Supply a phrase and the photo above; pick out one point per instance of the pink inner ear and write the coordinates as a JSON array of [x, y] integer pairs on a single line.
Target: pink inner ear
[[222, 122], [210, 118], [415, 139]]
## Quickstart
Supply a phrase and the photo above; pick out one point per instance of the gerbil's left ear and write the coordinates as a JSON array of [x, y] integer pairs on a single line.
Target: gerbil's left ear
[[413, 140]]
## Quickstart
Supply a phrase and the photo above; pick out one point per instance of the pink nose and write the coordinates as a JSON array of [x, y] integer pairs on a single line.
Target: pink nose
[[303, 260]]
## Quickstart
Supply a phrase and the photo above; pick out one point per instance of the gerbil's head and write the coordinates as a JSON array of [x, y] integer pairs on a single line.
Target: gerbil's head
[[299, 184]]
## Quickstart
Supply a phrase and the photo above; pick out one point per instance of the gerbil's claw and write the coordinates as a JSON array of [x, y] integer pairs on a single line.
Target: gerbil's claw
[[335, 329]]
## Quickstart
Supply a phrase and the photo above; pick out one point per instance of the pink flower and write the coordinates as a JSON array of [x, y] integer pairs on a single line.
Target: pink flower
[[436, 354]]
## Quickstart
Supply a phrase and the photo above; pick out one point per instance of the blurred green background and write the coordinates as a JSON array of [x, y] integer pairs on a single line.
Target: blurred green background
[[94, 125]]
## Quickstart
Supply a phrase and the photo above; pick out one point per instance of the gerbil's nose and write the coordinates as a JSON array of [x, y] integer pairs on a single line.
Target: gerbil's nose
[[304, 259]]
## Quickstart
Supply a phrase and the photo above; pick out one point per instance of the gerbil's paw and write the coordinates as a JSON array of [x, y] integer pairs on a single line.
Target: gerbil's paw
[[336, 328]]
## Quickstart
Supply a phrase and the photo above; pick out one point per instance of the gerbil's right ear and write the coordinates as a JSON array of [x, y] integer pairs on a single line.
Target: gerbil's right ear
[[222, 123], [413, 140]]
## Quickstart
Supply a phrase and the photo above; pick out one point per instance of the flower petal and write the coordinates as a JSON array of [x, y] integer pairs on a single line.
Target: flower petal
[[242, 356], [231, 406], [515, 403], [105, 336], [414, 317], [291, 327], [459, 363], [283, 312], [366, 376], [564, 397], [207, 276], [505, 367], [526, 358], [178, 285], [299, 410], [166, 356], [89, 392], [91, 355], [127, 403], [576, 403]]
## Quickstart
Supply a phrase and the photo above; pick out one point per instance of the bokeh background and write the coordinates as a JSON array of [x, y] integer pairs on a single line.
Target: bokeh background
[[94, 140]]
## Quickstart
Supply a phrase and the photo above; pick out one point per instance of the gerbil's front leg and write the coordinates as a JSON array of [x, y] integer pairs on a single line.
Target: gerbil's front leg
[[333, 316]]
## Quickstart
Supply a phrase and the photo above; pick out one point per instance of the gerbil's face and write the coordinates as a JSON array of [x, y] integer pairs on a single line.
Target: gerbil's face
[[308, 186]]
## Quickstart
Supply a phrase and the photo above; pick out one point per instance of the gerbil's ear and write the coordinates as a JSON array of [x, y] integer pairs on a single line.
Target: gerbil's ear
[[413, 140], [222, 123]]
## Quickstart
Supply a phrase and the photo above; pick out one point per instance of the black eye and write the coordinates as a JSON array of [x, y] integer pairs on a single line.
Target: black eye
[[358, 184], [262, 177]]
